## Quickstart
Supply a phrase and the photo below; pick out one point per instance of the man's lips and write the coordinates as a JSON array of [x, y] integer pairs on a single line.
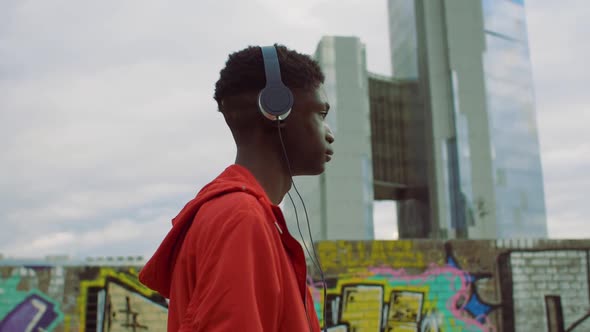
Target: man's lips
[[329, 154]]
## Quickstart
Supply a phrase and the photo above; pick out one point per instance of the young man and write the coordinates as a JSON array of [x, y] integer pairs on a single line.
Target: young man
[[229, 262]]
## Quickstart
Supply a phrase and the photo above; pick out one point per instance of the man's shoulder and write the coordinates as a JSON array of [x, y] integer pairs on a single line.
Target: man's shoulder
[[233, 214], [234, 200], [231, 207]]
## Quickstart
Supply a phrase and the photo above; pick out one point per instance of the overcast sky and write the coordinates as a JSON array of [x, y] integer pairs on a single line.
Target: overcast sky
[[108, 126]]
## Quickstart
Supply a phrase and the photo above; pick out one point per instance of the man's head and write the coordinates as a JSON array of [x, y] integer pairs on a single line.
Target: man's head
[[304, 132], [244, 72]]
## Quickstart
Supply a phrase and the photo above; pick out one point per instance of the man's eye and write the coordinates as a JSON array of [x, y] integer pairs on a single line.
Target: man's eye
[[324, 114]]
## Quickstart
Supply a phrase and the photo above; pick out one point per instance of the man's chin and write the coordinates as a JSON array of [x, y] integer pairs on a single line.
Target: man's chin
[[321, 169], [311, 172]]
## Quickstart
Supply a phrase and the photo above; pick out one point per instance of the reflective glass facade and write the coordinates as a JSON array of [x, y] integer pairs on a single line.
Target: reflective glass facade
[[402, 34], [464, 202], [482, 156], [520, 202]]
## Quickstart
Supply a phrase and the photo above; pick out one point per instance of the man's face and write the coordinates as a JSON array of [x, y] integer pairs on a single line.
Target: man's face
[[307, 135]]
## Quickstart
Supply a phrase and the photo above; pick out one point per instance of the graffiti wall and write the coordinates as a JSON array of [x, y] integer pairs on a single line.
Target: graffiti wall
[[453, 286], [77, 298], [376, 286]]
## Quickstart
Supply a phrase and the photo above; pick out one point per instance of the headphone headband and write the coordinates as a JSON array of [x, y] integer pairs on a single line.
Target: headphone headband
[[272, 69], [275, 100]]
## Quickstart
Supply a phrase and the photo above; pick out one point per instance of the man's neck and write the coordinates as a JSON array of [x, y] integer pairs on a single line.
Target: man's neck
[[268, 169]]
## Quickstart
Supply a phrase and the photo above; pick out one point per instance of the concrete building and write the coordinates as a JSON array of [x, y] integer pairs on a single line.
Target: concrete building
[[451, 136], [399, 151], [339, 203]]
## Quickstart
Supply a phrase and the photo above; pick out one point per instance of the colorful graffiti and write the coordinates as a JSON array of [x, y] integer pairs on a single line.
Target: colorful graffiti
[[442, 298], [115, 301], [24, 311], [78, 298], [381, 286]]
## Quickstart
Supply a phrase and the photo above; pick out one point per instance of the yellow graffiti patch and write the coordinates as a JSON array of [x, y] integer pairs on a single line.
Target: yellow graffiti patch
[[337, 255], [127, 278]]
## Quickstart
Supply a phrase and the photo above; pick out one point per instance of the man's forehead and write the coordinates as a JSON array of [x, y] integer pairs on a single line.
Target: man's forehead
[[322, 94], [323, 97]]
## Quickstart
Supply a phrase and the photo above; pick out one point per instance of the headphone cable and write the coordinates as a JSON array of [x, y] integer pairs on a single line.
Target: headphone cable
[[299, 228], [313, 258], [319, 266]]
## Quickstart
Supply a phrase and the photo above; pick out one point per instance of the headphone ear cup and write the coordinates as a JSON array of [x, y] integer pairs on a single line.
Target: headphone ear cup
[[276, 99], [275, 102]]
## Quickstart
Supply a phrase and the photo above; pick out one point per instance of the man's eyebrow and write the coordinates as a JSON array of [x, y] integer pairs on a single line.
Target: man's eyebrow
[[327, 106]]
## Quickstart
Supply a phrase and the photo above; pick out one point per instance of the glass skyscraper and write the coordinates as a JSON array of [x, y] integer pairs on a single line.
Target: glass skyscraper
[[520, 208], [451, 136], [472, 64]]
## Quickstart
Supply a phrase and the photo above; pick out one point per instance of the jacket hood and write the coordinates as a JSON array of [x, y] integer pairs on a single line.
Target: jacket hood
[[157, 273]]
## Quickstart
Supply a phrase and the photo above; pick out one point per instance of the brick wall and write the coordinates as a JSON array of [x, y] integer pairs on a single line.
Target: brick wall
[[418, 285], [542, 278]]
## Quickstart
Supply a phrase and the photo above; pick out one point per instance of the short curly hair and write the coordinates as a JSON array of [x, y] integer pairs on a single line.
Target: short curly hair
[[244, 72]]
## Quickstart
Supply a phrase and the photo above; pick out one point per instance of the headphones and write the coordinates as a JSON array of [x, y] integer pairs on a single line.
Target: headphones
[[275, 101]]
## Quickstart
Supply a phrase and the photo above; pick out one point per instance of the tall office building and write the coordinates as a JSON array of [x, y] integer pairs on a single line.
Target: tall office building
[[339, 202], [471, 61], [451, 136]]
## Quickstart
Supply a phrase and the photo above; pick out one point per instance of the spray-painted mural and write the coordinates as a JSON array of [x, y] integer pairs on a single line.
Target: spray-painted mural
[[77, 298], [376, 286], [115, 301], [23, 306], [441, 298], [26, 310]]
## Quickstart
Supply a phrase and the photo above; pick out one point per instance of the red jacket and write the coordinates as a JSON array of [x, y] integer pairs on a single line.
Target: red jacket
[[230, 264]]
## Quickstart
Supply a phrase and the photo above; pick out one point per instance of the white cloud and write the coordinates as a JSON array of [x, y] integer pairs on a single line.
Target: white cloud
[[559, 54], [106, 111], [140, 238], [107, 121]]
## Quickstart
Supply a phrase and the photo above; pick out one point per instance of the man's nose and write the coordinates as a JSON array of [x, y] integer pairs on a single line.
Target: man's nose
[[329, 134]]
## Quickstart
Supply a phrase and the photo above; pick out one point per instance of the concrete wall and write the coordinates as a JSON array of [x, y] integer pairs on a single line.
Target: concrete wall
[[408, 285]]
